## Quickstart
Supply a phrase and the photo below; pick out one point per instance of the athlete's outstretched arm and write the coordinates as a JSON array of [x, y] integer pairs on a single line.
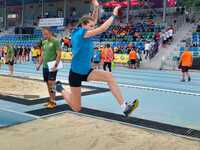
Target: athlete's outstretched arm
[[104, 26], [95, 12]]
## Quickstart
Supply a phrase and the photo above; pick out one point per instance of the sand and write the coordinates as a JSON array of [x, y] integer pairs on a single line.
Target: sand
[[72, 132], [19, 87]]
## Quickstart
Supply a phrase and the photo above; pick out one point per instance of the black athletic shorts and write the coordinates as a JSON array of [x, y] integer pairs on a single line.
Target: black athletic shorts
[[185, 69], [75, 79], [49, 76], [96, 62], [133, 61], [10, 62]]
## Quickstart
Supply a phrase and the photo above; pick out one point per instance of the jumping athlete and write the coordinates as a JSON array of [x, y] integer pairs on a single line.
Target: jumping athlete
[[81, 68]]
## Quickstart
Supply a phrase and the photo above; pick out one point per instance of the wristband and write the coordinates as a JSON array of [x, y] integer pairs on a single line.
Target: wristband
[[114, 16], [96, 7]]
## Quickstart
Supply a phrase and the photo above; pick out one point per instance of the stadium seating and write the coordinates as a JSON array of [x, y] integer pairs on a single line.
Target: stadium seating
[[26, 39], [195, 45], [196, 39], [147, 32], [20, 40]]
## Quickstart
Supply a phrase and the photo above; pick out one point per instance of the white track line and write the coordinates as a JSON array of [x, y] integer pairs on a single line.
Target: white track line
[[132, 86], [154, 89]]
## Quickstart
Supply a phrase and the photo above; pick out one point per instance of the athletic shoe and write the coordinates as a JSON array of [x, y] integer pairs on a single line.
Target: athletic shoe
[[51, 105], [131, 107], [58, 87], [183, 80], [189, 79]]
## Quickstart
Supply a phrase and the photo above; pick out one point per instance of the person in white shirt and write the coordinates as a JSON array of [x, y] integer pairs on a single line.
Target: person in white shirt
[[164, 37], [167, 36], [170, 32], [147, 48]]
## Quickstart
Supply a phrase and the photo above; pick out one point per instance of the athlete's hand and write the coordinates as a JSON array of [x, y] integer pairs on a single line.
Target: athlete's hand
[[95, 2], [116, 10], [54, 69], [38, 67]]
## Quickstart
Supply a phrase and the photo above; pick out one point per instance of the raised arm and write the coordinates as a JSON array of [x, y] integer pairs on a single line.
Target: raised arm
[[95, 12], [104, 26]]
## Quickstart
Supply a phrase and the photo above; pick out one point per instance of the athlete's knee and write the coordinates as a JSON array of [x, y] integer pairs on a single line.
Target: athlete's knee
[[76, 109]]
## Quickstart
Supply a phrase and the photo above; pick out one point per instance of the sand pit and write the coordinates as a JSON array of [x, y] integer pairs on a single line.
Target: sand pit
[[18, 87], [72, 132]]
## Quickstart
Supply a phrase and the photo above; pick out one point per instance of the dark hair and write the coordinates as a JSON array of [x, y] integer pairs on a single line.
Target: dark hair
[[108, 45], [46, 28], [85, 20]]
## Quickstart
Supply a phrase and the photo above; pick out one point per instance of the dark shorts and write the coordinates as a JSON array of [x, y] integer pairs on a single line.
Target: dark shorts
[[49, 76], [10, 62], [75, 79], [185, 69], [133, 61], [20, 53], [96, 62]]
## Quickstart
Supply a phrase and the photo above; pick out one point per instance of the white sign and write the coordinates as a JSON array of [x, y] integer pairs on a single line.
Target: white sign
[[51, 22], [51, 64], [12, 16]]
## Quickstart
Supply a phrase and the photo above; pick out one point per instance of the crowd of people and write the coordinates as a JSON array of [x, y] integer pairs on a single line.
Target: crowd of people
[[11, 55], [21, 53], [104, 57], [146, 37]]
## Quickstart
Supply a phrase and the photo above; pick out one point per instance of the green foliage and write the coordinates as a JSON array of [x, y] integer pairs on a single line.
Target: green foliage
[[189, 3]]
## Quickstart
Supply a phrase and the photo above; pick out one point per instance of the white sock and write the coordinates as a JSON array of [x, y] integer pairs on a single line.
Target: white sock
[[123, 106]]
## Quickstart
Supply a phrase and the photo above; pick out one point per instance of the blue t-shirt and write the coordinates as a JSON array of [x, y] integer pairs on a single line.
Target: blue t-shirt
[[82, 51]]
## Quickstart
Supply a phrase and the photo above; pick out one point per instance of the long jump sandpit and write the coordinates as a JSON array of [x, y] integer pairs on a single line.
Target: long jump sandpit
[[76, 132], [71, 131], [25, 88]]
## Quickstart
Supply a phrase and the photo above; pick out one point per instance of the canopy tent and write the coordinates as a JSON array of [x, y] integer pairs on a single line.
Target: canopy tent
[[111, 4], [135, 3], [171, 3]]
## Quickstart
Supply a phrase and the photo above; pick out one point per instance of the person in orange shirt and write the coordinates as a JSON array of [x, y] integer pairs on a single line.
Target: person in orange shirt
[[132, 58], [185, 64], [108, 58]]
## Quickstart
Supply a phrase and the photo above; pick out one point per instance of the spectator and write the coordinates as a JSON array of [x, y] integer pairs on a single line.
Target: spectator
[[109, 56], [34, 55], [10, 59], [185, 64], [147, 48], [97, 58], [132, 59]]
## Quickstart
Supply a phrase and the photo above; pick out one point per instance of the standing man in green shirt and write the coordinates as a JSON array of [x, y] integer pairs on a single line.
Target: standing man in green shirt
[[51, 51], [10, 59]]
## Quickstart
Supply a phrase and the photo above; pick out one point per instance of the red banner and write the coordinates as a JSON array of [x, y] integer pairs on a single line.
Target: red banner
[[111, 4]]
